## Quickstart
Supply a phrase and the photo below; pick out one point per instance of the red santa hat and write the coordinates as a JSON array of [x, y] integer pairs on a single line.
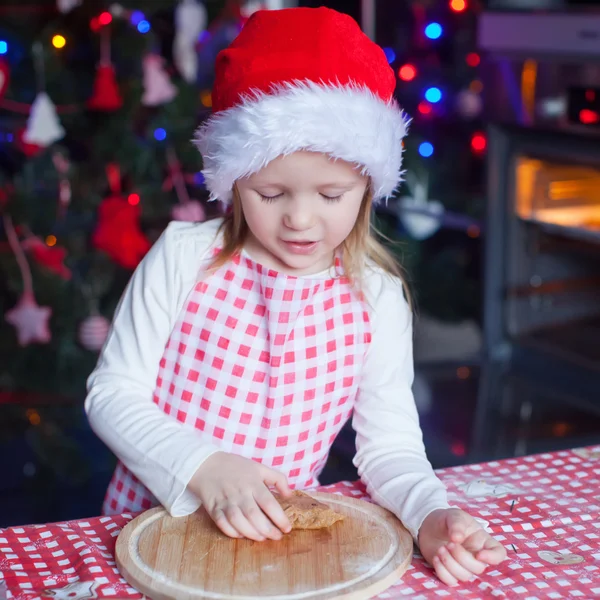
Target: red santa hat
[[302, 79]]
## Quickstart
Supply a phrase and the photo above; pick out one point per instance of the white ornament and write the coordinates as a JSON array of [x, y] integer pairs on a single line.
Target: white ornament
[[191, 211], [81, 590], [43, 126], [65, 6], [93, 332], [420, 216], [30, 320], [190, 22], [480, 488], [158, 88], [560, 558], [469, 104]]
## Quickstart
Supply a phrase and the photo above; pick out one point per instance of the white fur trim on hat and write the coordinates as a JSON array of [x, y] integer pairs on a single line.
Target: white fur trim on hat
[[346, 122]]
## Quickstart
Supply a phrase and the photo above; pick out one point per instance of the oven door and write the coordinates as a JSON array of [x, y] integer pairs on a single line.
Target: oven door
[[542, 264]]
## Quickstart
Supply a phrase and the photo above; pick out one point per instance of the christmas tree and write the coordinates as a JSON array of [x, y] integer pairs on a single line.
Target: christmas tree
[[98, 104]]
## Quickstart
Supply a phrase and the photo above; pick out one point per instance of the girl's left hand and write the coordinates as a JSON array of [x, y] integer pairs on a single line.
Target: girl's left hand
[[456, 545]]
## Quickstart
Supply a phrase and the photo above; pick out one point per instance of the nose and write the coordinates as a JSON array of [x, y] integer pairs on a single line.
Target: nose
[[298, 215]]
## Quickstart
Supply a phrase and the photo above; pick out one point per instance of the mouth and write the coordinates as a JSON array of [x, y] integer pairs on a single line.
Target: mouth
[[300, 246]]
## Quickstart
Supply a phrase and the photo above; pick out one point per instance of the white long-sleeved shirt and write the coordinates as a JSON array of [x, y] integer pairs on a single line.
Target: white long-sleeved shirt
[[164, 454]]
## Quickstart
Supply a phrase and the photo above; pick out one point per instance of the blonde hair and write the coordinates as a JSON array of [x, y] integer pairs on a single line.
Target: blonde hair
[[361, 243]]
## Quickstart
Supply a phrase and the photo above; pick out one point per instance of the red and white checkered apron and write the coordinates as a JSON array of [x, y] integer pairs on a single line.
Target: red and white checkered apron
[[264, 365]]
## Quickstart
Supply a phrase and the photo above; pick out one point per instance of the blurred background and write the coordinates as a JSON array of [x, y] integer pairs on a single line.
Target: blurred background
[[497, 223]]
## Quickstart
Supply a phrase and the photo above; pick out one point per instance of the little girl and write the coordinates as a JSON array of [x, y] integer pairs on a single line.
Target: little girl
[[242, 346]]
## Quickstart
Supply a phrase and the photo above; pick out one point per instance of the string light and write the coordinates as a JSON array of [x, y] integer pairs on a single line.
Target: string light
[[133, 199], [58, 41], [160, 134], [424, 108], [143, 26], [390, 55], [476, 86], [425, 149], [136, 17], [433, 94], [105, 18], [206, 98], [473, 231], [433, 31], [458, 5], [473, 59], [478, 142], [51, 240], [3, 47], [407, 72]]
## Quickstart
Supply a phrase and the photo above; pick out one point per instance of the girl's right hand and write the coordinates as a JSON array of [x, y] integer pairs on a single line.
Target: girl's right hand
[[234, 492]]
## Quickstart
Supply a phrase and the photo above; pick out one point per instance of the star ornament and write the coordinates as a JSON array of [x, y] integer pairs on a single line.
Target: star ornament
[[30, 320]]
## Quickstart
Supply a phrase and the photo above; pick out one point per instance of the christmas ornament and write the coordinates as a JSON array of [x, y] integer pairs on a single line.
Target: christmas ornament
[[78, 590], [118, 232], [193, 211], [420, 216], [469, 104], [190, 22], [158, 88], [93, 332], [4, 76], [29, 150], [106, 96], [43, 127], [29, 319], [50, 257], [65, 6]]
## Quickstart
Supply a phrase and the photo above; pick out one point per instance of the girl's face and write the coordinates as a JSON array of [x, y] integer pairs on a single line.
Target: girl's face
[[299, 209]]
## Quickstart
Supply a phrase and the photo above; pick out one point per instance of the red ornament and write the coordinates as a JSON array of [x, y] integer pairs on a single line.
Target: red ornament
[[106, 95], [118, 232], [4, 76], [50, 257], [29, 150]]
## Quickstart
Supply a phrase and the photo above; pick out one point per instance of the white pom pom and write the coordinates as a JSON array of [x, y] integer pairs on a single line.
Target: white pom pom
[[43, 126], [158, 88], [93, 332], [190, 22]]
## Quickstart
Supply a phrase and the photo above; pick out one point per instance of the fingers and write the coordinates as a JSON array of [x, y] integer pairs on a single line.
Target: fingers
[[443, 573], [272, 509], [493, 554], [458, 523], [271, 477], [241, 524], [218, 516], [466, 559], [454, 568]]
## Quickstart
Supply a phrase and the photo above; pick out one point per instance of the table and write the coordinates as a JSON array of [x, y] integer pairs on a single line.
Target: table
[[544, 508]]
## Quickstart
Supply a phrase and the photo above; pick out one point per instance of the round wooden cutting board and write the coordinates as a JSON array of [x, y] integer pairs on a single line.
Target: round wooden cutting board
[[188, 558]]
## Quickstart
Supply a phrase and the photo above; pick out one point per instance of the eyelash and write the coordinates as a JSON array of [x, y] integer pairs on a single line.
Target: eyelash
[[269, 199]]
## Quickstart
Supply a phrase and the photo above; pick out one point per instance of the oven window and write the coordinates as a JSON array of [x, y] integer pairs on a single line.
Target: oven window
[[558, 194]]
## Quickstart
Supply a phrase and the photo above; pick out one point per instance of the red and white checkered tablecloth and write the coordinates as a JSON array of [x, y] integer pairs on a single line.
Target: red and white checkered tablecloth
[[544, 508]]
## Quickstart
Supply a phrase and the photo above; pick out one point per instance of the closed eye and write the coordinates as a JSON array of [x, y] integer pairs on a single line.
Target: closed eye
[[270, 198], [332, 198]]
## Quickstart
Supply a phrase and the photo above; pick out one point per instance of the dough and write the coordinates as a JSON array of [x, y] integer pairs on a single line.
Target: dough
[[304, 512]]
